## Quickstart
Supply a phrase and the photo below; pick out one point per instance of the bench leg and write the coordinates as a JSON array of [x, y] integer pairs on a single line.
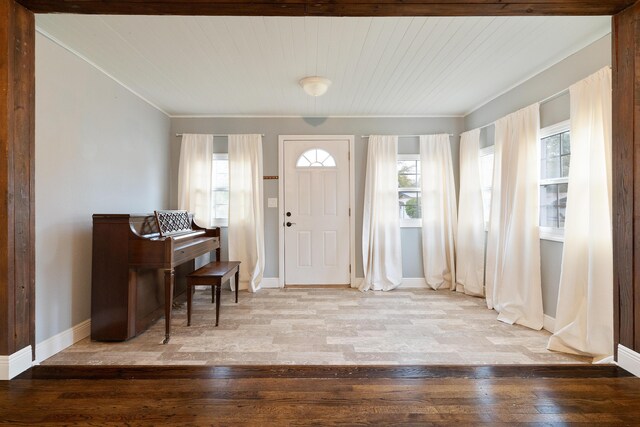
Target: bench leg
[[237, 283], [218, 286], [189, 301]]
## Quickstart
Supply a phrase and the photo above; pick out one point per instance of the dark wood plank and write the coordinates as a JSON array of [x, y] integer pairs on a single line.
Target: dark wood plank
[[375, 396], [17, 143], [635, 12], [626, 174], [332, 7], [323, 371], [23, 80]]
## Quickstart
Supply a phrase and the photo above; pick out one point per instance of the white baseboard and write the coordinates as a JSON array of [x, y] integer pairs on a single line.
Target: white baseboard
[[413, 282], [64, 339], [407, 282], [549, 324], [13, 365], [629, 360], [270, 283]]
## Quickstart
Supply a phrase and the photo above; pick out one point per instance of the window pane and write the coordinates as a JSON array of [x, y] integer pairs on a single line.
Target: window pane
[[566, 143], [564, 160], [221, 180], [408, 181], [408, 166], [409, 173], [329, 162], [486, 170], [316, 158], [549, 205], [409, 202], [221, 197], [562, 203], [222, 211], [486, 204], [550, 168], [221, 166], [303, 162], [552, 145]]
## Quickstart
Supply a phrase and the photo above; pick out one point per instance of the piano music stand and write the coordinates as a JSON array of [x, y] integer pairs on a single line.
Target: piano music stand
[[173, 222]]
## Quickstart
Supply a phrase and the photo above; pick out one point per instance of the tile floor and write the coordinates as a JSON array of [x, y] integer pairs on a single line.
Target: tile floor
[[328, 327]]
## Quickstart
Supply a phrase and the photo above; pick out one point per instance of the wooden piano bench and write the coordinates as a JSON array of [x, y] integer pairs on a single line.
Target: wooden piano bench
[[213, 274]]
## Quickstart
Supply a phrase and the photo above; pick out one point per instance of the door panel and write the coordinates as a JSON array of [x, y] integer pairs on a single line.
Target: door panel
[[316, 193]]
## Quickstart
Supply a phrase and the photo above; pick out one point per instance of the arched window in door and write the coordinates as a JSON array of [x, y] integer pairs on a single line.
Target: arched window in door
[[315, 158]]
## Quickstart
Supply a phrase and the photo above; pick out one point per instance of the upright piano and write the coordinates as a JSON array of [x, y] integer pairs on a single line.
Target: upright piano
[[135, 270]]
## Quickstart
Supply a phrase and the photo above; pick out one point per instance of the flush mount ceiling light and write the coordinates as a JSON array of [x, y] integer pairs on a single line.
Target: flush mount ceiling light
[[315, 86]]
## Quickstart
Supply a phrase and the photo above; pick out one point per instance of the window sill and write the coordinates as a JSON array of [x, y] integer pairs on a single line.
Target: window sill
[[411, 223], [552, 235]]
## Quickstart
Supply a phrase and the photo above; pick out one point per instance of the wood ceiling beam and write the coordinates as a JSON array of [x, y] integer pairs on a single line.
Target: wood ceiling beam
[[331, 7]]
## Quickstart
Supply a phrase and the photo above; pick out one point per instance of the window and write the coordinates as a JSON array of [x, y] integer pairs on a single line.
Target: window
[[315, 158], [486, 181], [555, 155], [220, 190], [410, 210]]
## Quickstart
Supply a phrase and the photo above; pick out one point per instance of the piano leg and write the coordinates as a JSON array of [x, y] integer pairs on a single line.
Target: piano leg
[[168, 301]]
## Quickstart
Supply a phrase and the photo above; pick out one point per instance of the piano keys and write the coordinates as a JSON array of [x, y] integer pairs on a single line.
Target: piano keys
[[137, 271]]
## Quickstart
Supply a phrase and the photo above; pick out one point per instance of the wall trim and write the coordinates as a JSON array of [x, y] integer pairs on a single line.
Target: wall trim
[[629, 360], [407, 283], [413, 282], [15, 364], [272, 116], [64, 339], [271, 283], [356, 282], [549, 324]]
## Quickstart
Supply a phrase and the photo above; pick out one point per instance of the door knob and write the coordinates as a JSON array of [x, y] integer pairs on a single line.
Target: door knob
[[289, 224], [288, 214]]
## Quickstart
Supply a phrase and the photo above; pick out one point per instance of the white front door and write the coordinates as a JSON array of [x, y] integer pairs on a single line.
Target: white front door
[[316, 212]]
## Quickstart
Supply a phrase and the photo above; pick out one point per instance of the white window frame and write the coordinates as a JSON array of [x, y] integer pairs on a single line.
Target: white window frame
[[410, 222], [487, 151], [218, 222], [552, 233]]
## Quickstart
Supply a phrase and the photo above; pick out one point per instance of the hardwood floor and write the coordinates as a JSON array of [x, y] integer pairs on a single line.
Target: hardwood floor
[[321, 395]]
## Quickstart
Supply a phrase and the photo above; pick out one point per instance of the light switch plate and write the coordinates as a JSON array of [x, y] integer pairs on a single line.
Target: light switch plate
[[272, 202]]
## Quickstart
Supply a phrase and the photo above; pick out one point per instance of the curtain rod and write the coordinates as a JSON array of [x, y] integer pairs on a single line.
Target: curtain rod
[[215, 134], [402, 136]]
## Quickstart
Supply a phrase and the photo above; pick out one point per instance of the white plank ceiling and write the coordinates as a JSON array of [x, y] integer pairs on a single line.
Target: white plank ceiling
[[250, 66]]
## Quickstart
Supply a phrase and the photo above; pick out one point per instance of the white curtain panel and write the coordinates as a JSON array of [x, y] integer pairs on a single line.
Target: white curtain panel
[[381, 253], [246, 212], [584, 317], [470, 237], [513, 286], [194, 177], [439, 213]]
